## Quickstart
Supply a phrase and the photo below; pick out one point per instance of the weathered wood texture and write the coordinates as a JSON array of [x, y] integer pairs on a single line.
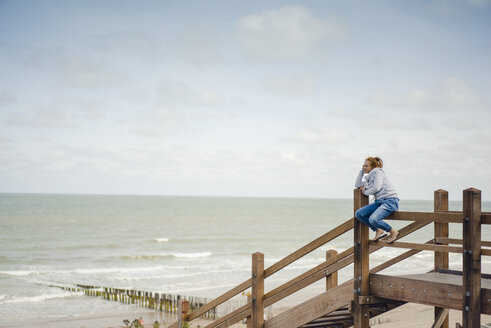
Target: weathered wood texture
[[436, 289], [421, 247], [459, 242], [416, 291], [440, 318], [257, 317], [361, 314], [471, 267], [338, 262], [445, 217], [331, 278], [440, 204], [438, 293], [314, 308]]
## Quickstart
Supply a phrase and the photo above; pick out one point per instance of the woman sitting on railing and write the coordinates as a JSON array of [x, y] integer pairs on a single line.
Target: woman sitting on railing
[[386, 199]]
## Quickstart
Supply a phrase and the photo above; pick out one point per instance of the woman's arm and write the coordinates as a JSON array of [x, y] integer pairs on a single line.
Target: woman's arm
[[358, 182], [376, 185]]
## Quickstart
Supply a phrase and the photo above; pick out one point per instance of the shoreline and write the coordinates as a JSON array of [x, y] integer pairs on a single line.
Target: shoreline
[[409, 315]]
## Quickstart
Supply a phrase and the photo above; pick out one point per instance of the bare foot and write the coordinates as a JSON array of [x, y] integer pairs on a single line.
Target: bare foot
[[393, 236]]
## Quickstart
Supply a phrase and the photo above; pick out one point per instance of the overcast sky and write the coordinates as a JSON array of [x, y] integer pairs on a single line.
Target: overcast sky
[[244, 98]]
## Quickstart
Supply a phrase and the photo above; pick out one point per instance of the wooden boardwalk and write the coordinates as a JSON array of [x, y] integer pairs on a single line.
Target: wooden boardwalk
[[369, 293]]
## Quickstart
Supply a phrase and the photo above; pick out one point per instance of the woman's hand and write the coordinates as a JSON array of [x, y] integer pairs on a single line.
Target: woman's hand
[[362, 189]]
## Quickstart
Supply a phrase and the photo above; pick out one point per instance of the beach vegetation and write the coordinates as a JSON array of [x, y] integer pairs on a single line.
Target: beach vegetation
[[137, 323]]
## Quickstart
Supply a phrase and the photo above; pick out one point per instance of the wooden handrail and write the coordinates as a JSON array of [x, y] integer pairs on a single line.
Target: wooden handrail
[[307, 278], [445, 217], [320, 241], [337, 262], [420, 219]]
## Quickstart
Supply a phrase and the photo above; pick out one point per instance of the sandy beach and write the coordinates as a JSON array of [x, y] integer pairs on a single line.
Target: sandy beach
[[408, 316]]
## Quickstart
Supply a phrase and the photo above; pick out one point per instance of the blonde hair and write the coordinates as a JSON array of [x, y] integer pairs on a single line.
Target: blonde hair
[[375, 162]]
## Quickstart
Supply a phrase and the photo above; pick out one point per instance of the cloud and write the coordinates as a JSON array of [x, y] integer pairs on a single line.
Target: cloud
[[43, 118], [292, 85], [317, 135], [288, 32], [177, 94], [91, 109], [6, 99], [198, 45], [85, 72], [160, 123], [129, 44], [450, 94]]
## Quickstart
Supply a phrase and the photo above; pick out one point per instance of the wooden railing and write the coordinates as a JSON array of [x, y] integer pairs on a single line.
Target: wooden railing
[[471, 218]]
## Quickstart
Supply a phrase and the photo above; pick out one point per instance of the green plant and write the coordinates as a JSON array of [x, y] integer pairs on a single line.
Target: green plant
[[137, 323]]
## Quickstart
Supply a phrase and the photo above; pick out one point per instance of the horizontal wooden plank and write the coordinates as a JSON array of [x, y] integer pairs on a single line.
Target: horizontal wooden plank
[[444, 217], [441, 240], [485, 218], [416, 291], [486, 252], [421, 247]]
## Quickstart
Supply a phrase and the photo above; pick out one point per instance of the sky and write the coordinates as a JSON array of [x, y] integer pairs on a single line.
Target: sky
[[244, 98]]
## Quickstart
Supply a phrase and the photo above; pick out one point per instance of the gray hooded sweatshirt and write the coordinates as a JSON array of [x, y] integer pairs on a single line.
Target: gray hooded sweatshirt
[[376, 184]]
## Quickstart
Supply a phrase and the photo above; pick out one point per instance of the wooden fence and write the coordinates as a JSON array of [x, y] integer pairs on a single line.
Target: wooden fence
[[361, 294]]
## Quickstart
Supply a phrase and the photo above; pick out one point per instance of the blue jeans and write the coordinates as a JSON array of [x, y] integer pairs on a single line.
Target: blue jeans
[[374, 214]]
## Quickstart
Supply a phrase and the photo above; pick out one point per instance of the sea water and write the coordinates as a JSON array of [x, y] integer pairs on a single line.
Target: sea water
[[194, 246]]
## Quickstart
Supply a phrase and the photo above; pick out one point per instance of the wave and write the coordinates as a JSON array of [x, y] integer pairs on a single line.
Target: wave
[[19, 272], [167, 255], [202, 254], [40, 298], [161, 240], [183, 275]]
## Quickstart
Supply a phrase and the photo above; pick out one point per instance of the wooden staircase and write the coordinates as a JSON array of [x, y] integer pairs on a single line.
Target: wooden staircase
[[369, 293]]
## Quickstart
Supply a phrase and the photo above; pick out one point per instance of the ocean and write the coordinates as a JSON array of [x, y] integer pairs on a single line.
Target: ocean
[[194, 246]]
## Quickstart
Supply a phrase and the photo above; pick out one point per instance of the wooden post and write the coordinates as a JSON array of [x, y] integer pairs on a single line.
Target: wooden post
[[440, 204], [471, 277], [257, 316], [361, 286], [182, 313], [332, 278]]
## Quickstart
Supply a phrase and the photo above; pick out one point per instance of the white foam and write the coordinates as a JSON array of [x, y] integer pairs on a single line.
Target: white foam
[[19, 272], [201, 254], [162, 240], [40, 298]]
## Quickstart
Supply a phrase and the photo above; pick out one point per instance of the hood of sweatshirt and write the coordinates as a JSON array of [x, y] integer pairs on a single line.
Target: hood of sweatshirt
[[370, 175]]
